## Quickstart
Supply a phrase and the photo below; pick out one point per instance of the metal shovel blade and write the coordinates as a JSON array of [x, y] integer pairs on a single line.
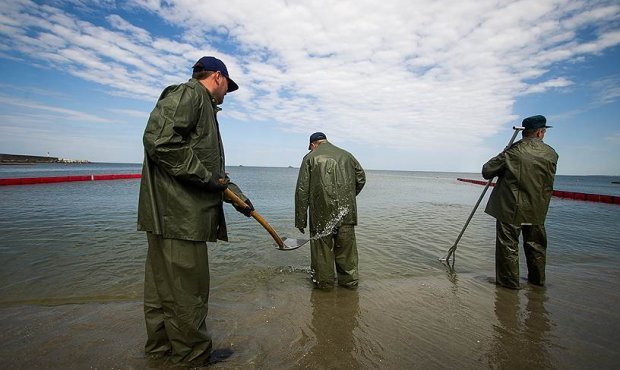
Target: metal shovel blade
[[291, 243], [283, 244]]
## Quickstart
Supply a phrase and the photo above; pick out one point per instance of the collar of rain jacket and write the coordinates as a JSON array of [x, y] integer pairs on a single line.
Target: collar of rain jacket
[[193, 81], [532, 138]]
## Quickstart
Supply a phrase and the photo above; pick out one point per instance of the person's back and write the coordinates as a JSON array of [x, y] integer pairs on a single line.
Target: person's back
[[328, 182], [333, 184], [525, 184], [519, 203]]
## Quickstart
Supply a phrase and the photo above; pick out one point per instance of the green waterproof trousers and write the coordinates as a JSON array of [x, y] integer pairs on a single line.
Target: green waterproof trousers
[[176, 294], [339, 248], [507, 253]]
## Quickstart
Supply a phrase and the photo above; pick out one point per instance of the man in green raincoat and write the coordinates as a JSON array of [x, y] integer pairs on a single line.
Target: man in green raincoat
[[329, 180], [180, 208], [520, 201]]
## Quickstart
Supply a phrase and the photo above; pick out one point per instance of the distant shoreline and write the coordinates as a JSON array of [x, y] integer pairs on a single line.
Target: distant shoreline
[[18, 159]]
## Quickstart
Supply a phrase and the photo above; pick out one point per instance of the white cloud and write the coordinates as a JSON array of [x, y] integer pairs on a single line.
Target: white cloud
[[28, 91], [402, 66], [67, 114], [399, 73], [120, 24], [608, 90], [131, 113], [614, 138], [549, 84]]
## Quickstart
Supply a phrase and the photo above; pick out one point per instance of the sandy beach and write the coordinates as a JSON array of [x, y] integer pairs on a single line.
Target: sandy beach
[[280, 322], [73, 336]]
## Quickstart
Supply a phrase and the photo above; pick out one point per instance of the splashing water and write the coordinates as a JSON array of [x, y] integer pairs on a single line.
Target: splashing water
[[331, 224]]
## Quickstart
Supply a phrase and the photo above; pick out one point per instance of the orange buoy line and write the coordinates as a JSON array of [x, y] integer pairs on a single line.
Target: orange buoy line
[[53, 179], [600, 198]]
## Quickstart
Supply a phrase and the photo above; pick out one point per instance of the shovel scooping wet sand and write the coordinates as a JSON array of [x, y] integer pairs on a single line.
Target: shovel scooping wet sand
[[284, 244]]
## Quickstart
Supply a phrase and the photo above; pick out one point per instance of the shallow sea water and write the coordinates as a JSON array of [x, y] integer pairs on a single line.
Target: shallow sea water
[[75, 243]]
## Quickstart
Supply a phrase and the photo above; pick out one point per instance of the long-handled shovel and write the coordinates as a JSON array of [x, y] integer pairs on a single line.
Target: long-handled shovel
[[453, 248], [284, 244]]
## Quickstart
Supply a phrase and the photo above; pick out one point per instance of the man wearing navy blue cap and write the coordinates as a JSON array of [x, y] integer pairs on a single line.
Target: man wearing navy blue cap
[[519, 203], [329, 180], [220, 82], [180, 208]]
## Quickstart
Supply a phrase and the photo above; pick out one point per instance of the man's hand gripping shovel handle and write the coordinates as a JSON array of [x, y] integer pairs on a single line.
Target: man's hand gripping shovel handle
[[240, 203]]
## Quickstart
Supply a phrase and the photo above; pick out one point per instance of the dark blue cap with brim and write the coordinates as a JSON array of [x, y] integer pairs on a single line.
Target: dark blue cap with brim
[[214, 64], [535, 122], [316, 136]]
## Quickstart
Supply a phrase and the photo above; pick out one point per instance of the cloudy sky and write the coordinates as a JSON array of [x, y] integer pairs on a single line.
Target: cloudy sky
[[404, 85]]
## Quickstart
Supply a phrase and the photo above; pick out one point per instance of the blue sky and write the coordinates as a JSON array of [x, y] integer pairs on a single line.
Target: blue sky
[[408, 85]]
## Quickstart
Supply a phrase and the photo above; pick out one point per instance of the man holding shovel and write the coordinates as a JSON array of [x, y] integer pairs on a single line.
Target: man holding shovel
[[519, 203], [329, 180], [180, 208]]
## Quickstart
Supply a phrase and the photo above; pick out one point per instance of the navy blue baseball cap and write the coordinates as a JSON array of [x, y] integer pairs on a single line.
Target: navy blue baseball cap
[[535, 122], [214, 64], [316, 136]]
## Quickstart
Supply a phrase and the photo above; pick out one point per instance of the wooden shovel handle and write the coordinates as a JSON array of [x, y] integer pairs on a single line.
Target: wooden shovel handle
[[240, 203]]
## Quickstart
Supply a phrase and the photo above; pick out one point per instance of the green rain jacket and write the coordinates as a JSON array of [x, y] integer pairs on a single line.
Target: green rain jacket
[[526, 172], [329, 179], [183, 148]]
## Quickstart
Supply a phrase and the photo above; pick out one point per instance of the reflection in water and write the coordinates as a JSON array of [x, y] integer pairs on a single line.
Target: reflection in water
[[520, 337], [334, 319]]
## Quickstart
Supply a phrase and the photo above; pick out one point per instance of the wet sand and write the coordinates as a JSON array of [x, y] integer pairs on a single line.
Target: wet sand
[[73, 336], [280, 322]]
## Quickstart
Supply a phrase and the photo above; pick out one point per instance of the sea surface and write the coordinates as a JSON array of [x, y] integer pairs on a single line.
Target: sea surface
[[76, 243]]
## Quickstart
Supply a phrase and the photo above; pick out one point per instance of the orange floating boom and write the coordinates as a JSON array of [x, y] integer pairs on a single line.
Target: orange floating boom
[[599, 198], [53, 179]]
